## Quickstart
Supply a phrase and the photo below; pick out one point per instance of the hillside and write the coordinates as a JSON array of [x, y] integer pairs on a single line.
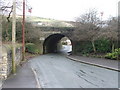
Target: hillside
[[39, 21]]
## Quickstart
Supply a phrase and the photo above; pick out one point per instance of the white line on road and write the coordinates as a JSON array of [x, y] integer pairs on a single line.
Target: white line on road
[[38, 84]]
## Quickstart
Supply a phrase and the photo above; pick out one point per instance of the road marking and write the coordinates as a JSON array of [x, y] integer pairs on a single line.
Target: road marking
[[38, 84], [1, 85]]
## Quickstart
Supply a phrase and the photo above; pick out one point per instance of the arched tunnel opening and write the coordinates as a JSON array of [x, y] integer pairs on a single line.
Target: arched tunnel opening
[[54, 44]]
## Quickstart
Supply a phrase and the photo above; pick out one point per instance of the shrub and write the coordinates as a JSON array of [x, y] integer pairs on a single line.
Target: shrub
[[87, 48], [103, 45], [84, 47], [32, 48], [113, 55]]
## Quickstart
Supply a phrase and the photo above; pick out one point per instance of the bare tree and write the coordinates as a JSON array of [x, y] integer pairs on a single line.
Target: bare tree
[[6, 8], [110, 31], [87, 27], [32, 33]]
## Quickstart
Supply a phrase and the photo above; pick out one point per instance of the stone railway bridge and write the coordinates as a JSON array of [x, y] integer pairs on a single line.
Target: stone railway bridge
[[51, 36], [47, 43]]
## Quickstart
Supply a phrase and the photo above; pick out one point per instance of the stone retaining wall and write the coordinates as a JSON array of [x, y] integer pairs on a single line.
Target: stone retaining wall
[[6, 62]]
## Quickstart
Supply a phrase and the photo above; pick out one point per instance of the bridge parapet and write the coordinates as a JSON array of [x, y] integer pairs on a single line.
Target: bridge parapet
[[47, 31]]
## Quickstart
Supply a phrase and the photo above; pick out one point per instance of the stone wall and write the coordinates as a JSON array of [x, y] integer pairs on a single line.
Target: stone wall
[[6, 62]]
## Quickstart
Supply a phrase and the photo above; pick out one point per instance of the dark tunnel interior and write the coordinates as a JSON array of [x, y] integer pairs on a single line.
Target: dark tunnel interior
[[50, 43]]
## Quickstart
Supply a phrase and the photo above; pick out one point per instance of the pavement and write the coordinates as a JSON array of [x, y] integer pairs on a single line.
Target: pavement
[[24, 78], [100, 62]]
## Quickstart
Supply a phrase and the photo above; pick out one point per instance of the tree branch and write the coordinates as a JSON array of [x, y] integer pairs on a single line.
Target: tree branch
[[8, 18]]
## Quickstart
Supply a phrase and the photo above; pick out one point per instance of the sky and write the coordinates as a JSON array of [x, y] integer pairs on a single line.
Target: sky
[[70, 9]]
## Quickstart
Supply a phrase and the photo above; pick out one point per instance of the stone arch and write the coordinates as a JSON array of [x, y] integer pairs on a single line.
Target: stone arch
[[50, 43]]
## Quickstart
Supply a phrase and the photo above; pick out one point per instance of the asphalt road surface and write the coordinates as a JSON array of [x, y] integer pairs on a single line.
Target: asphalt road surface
[[56, 71]]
